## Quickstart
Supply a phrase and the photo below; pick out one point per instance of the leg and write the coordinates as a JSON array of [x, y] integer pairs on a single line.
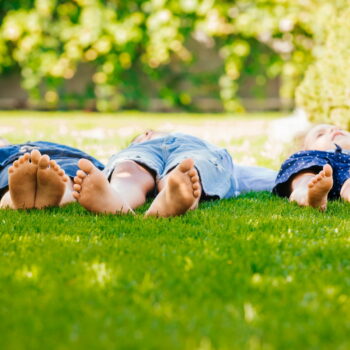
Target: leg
[[179, 191], [309, 189], [345, 191], [68, 194], [135, 182], [6, 201], [127, 190]]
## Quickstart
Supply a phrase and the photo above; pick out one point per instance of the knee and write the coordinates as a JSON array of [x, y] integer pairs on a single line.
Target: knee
[[134, 173], [131, 169], [127, 166]]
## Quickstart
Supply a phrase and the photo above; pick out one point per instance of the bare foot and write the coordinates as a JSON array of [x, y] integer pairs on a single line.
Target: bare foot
[[22, 180], [180, 194], [319, 186], [51, 183], [93, 191]]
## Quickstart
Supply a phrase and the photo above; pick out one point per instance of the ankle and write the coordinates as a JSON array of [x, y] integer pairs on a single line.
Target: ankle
[[299, 195], [6, 201]]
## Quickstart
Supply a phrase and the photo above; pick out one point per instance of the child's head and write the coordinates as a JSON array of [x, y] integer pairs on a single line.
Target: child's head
[[323, 137]]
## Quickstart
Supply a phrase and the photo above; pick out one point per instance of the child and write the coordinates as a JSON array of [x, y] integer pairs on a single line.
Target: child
[[34, 174], [319, 172], [182, 168]]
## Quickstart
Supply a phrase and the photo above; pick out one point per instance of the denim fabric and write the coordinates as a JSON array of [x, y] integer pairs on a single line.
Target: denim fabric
[[161, 155], [254, 178]]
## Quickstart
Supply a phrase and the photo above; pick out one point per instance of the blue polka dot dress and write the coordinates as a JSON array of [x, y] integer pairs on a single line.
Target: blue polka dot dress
[[314, 161]]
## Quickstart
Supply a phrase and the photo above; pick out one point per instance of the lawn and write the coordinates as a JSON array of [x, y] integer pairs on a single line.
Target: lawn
[[253, 272]]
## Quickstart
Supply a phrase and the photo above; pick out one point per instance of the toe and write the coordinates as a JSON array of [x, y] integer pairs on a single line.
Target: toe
[[65, 178], [195, 179], [24, 158], [186, 165], [196, 193], [11, 169], [16, 164], [328, 170], [192, 173], [60, 172], [81, 174], [78, 180], [85, 165], [195, 186], [76, 187], [76, 195], [44, 161], [35, 156], [52, 163]]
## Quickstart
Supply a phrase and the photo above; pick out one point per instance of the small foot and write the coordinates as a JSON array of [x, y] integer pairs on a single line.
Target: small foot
[[93, 191], [319, 187], [180, 194], [22, 180], [51, 183]]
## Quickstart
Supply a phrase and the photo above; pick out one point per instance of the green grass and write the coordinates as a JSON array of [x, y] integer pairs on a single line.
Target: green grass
[[253, 272]]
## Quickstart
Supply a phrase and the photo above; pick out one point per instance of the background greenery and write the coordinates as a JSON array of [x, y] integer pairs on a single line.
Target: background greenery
[[135, 42], [325, 91]]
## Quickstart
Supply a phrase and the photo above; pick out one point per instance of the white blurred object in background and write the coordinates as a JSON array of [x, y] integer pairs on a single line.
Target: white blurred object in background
[[284, 130]]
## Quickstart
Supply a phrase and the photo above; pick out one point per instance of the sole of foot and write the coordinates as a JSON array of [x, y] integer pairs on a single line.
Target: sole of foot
[[22, 180], [93, 191], [180, 194], [51, 183], [319, 187]]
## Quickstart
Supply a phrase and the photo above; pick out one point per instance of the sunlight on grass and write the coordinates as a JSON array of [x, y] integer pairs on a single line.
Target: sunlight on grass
[[101, 135], [99, 274]]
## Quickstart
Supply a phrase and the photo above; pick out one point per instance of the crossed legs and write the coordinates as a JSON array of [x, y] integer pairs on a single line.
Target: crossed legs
[[36, 181], [129, 185]]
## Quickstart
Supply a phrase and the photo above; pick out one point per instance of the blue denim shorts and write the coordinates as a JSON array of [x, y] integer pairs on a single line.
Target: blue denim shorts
[[161, 155], [66, 157]]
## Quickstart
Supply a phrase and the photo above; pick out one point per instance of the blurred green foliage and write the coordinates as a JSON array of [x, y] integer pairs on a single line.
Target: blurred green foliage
[[135, 42], [325, 91]]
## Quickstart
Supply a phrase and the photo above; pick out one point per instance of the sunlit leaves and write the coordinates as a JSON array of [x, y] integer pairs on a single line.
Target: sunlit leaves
[[49, 39], [325, 92]]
